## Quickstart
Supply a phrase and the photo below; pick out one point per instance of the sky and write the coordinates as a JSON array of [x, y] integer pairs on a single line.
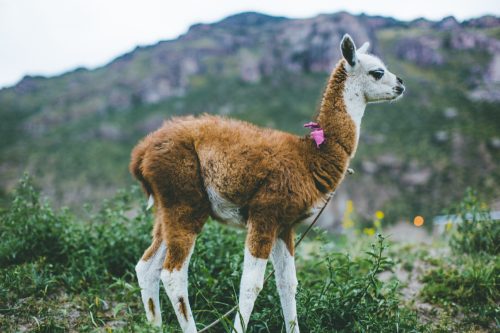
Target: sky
[[49, 37]]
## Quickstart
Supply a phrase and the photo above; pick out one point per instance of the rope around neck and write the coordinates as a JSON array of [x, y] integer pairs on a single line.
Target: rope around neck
[[225, 315]]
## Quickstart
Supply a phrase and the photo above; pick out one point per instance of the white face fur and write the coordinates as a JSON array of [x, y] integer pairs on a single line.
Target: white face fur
[[368, 74]]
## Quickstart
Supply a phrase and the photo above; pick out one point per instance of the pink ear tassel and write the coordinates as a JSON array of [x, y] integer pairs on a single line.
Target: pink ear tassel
[[317, 134]]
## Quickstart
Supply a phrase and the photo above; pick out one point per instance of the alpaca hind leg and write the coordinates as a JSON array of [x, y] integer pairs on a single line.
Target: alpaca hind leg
[[148, 275], [286, 281], [174, 276], [180, 230]]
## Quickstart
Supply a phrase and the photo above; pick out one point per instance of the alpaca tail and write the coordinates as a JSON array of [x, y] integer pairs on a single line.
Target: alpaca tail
[[136, 169]]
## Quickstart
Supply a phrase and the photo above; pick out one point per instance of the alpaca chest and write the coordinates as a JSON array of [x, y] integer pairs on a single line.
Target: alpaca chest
[[315, 209], [225, 210]]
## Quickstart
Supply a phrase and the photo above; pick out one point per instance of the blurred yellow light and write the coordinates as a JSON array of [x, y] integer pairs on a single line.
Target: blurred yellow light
[[418, 221]]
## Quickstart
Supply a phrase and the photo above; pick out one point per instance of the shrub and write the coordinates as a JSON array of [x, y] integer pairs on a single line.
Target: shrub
[[30, 229], [350, 298], [476, 231], [111, 241], [469, 282], [472, 287], [474, 283], [336, 293], [108, 244]]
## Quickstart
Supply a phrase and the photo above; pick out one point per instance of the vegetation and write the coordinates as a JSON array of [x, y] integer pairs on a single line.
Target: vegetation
[[477, 233], [468, 282], [58, 272]]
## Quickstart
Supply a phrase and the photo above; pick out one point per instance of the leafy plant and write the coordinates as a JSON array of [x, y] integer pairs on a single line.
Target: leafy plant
[[350, 298], [468, 283], [30, 229], [471, 287], [476, 231]]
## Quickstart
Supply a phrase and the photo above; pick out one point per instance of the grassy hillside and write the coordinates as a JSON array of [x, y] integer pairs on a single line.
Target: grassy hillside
[[75, 132]]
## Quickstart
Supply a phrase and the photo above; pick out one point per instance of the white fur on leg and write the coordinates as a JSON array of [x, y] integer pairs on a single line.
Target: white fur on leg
[[250, 287], [176, 286], [286, 282], [148, 275]]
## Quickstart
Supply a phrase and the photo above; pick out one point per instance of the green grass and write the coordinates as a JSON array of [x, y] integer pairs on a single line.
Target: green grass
[[470, 287], [468, 282], [477, 233], [59, 272]]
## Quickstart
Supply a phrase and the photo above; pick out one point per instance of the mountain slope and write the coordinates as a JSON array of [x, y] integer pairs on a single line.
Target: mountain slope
[[75, 131]]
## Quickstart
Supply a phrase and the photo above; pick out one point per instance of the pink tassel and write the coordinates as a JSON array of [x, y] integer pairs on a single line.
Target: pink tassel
[[311, 125], [318, 136], [317, 133]]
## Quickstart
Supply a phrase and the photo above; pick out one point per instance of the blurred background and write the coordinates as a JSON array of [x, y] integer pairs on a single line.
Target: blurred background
[[83, 81]]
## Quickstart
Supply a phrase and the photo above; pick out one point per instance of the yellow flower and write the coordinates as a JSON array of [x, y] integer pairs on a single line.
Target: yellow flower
[[448, 225], [347, 223], [379, 214], [369, 231], [349, 207]]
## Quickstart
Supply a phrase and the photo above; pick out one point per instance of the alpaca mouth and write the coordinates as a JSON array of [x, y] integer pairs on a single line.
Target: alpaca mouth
[[396, 97], [399, 89]]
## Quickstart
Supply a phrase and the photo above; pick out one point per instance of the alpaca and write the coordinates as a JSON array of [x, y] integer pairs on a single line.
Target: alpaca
[[264, 180]]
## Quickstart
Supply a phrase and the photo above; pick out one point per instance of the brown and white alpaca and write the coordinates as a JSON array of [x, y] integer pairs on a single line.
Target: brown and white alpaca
[[263, 179]]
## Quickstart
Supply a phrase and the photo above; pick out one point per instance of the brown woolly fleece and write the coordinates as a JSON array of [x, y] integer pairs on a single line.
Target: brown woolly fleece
[[275, 178]]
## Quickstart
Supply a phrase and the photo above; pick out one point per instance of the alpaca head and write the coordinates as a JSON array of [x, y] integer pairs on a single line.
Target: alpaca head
[[368, 75]]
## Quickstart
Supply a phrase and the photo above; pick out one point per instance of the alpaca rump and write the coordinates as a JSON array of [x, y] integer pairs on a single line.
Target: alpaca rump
[[265, 180]]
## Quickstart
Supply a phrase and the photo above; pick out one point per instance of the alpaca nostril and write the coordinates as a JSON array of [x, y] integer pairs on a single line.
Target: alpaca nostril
[[400, 80], [399, 89]]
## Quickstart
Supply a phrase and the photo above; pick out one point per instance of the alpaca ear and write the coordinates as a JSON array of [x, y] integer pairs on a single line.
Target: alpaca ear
[[348, 49], [363, 48]]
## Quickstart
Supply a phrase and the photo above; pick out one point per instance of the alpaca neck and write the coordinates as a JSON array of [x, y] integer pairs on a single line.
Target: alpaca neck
[[342, 106], [340, 115], [355, 106]]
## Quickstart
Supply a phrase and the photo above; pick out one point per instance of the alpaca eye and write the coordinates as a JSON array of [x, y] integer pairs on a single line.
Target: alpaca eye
[[377, 73]]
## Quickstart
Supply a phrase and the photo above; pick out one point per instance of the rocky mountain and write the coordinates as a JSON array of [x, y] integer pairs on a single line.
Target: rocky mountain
[[74, 132]]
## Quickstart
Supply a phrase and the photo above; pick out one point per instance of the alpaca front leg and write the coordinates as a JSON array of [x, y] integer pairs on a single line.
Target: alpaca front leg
[[148, 275], [286, 282], [252, 280]]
